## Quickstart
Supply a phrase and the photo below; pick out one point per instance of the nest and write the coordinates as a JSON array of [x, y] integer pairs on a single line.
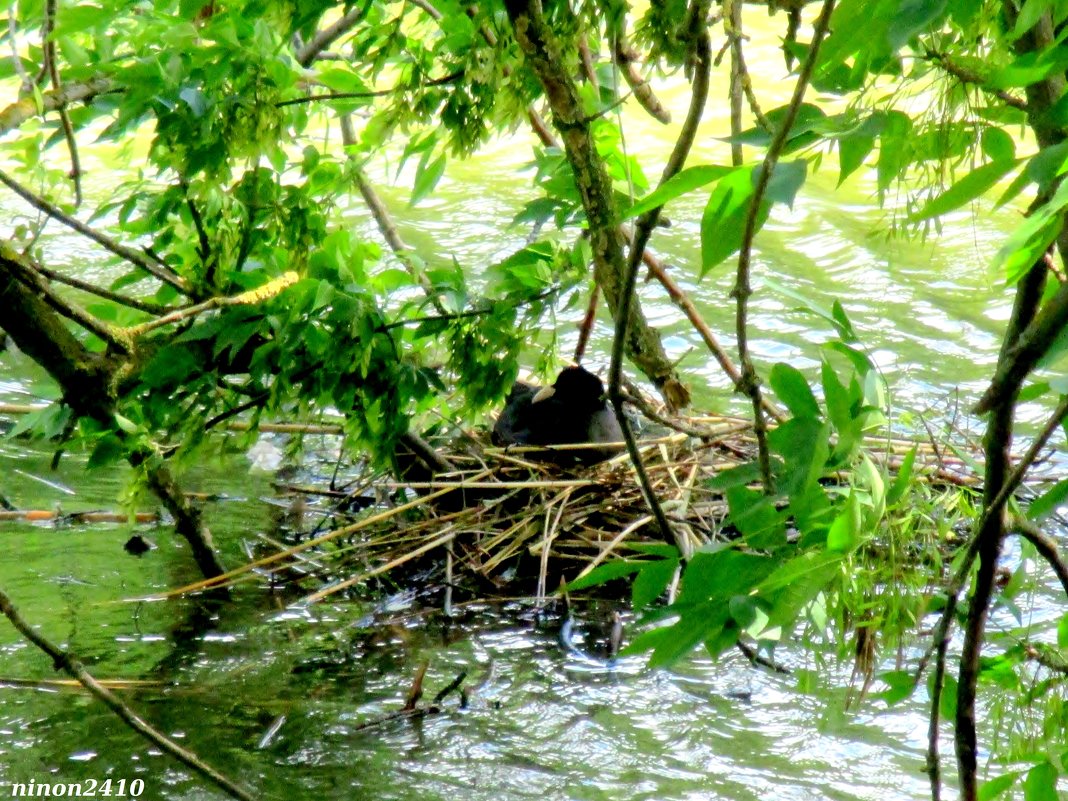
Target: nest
[[503, 522]]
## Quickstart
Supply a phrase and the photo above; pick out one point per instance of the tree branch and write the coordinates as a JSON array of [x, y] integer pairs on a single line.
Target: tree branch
[[21, 110], [750, 382], [129, 254], [541, 51], [1046, 547], [330, 34]]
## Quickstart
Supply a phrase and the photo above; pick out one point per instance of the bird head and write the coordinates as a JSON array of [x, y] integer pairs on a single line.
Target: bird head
[[575, 386]]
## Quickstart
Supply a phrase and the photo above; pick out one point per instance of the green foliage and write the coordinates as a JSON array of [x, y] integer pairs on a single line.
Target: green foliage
[[238, 188], [241, 188]]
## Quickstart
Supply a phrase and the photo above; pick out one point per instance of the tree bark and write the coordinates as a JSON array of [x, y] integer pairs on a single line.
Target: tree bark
[[542, 52], [88, 382]]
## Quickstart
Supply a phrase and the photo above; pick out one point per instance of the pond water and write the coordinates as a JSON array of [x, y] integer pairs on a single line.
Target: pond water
[[274, 695]]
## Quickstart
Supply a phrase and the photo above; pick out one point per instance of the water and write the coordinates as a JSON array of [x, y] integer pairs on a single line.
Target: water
[[274, 697]]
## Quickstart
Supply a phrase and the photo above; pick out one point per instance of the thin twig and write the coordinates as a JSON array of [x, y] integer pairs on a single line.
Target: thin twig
[[1046, 547], [49, 52], [642, 231], [26, 272], [586, 326], [750, 382], [967, 76], [269, 290], [327, 36], [25, 81], [147, 306]]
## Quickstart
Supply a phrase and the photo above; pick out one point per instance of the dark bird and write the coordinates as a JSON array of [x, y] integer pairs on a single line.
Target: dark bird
[[572, 410]]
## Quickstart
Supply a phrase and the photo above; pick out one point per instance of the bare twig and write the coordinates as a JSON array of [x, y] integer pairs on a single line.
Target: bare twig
[[147, 306], [642, 231], [682, 300], [252, 296], [330, 34], [27, 273], [625, 58], [586, 327], [967, 76], [25, 81], [26, 108], [1046, 547]]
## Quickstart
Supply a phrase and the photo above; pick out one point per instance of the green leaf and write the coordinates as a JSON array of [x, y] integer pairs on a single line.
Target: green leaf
[[894, 148], [808, 568], [842, 322], [723, 220], [794, 585], [661, 549], [947, 706], [855, 26], [426, 178], [860, 361], [602, 574], [343, 81], [1062, 631], [843, 535], [900, 685], [743, 610], [967, 189], [904, 476], [1029, 241], [722, 638], [809, 118], [1030, 13], [802, 443], [679, 184], [793, 390], [194, 98], [1041, 783], [651, 581], [739, 476], [989, 790], [109, 450], [125, 424], [856, 145], [1047, 164], [716, 573], [692, 628], [998, 144], [912, 17], [1048, 501], [836, 397], [75, 18], [786, 179], [852, 151]]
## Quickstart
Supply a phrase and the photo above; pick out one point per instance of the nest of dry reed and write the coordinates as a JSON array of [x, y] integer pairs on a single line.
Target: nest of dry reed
[[503, 523]]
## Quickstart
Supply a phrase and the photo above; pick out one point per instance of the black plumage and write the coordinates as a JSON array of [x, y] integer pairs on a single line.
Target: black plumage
[[572, 410]]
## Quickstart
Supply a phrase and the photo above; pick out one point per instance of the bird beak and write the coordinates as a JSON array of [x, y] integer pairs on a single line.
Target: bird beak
[[544, 394]]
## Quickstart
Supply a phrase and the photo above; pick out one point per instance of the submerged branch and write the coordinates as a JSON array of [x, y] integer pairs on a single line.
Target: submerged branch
[[63, 660]]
